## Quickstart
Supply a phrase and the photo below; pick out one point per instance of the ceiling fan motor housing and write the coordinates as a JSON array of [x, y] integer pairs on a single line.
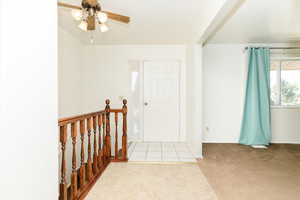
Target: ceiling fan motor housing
[[87, 6]]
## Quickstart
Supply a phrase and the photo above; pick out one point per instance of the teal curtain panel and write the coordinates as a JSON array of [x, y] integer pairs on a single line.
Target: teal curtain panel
[[256, 123]]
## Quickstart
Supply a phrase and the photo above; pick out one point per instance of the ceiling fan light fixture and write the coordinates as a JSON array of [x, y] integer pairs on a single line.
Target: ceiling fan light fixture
[[77, 14], [102, 17], [83, 25], [90, 14], [103, 28]]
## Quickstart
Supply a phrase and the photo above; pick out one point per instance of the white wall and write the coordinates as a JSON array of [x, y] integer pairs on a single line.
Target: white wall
[[107, 70], [70, 60], [28, 81], [286, 125], [107, 73], [224, 84], [194, 102]]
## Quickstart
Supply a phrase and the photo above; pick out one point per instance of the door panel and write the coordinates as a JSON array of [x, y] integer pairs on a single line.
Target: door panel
[[161, 101]]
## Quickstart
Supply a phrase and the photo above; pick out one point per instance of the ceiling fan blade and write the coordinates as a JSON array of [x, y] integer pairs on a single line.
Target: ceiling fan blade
[[91, 23], [68, 5], [117, 17]]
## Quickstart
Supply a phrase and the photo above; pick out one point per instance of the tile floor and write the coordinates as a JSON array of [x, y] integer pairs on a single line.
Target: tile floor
[[160, 152]]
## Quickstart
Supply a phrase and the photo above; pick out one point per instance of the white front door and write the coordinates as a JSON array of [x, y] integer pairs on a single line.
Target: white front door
[[161, 101]]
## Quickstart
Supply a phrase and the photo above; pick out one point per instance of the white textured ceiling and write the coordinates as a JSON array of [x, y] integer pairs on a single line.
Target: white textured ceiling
[[262, 21], [152, 21]]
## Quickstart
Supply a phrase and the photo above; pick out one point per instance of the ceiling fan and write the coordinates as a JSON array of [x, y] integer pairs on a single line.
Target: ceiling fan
[[90, 13]]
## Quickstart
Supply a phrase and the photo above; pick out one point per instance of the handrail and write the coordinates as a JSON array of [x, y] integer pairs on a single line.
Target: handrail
[[116, 110], [94, 133], [69, 120]]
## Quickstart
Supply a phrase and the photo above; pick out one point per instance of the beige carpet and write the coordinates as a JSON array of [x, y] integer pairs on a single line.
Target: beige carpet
[[131, 181]]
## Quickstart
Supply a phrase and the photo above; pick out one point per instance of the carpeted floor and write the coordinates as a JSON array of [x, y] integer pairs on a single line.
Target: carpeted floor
[[130, 181], [238, 172]]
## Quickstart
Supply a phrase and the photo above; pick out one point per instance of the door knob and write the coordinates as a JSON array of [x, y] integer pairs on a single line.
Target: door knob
[[146, 104]]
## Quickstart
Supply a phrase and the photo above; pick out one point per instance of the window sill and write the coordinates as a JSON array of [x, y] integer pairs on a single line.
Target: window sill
[[285, 107]]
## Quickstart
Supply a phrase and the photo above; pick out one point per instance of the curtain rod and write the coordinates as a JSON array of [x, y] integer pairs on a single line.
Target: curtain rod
[[278, 48]]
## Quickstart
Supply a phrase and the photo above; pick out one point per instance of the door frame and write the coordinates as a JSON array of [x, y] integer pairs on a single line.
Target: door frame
[[181, 100]]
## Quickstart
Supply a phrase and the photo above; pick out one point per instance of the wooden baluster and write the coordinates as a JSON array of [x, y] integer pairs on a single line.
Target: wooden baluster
[[89, 161], [95, 157], [82, 166], [74, 170], [124, 137], [104, 138], [100, 141], [108, 141], [116, 137], [63, 184]]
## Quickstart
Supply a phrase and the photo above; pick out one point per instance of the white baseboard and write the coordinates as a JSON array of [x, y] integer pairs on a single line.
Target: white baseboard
[[236, 142], [219, 141], [285, 142]]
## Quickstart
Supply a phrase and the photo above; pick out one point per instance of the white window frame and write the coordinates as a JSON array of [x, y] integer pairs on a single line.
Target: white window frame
[[278, 100]]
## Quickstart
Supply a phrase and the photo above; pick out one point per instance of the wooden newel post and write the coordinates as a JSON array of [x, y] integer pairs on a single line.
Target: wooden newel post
[[108, 143], [124, 137], [63, 184], [74, 169]]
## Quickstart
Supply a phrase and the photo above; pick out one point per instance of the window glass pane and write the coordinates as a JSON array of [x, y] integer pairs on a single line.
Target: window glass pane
[[290, 83], [274, 70]]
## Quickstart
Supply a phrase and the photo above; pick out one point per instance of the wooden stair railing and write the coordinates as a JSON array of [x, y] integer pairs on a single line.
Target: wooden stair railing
[[97, 127]]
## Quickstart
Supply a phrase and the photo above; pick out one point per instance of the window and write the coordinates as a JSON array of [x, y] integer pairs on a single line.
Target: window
[[285, 82]]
